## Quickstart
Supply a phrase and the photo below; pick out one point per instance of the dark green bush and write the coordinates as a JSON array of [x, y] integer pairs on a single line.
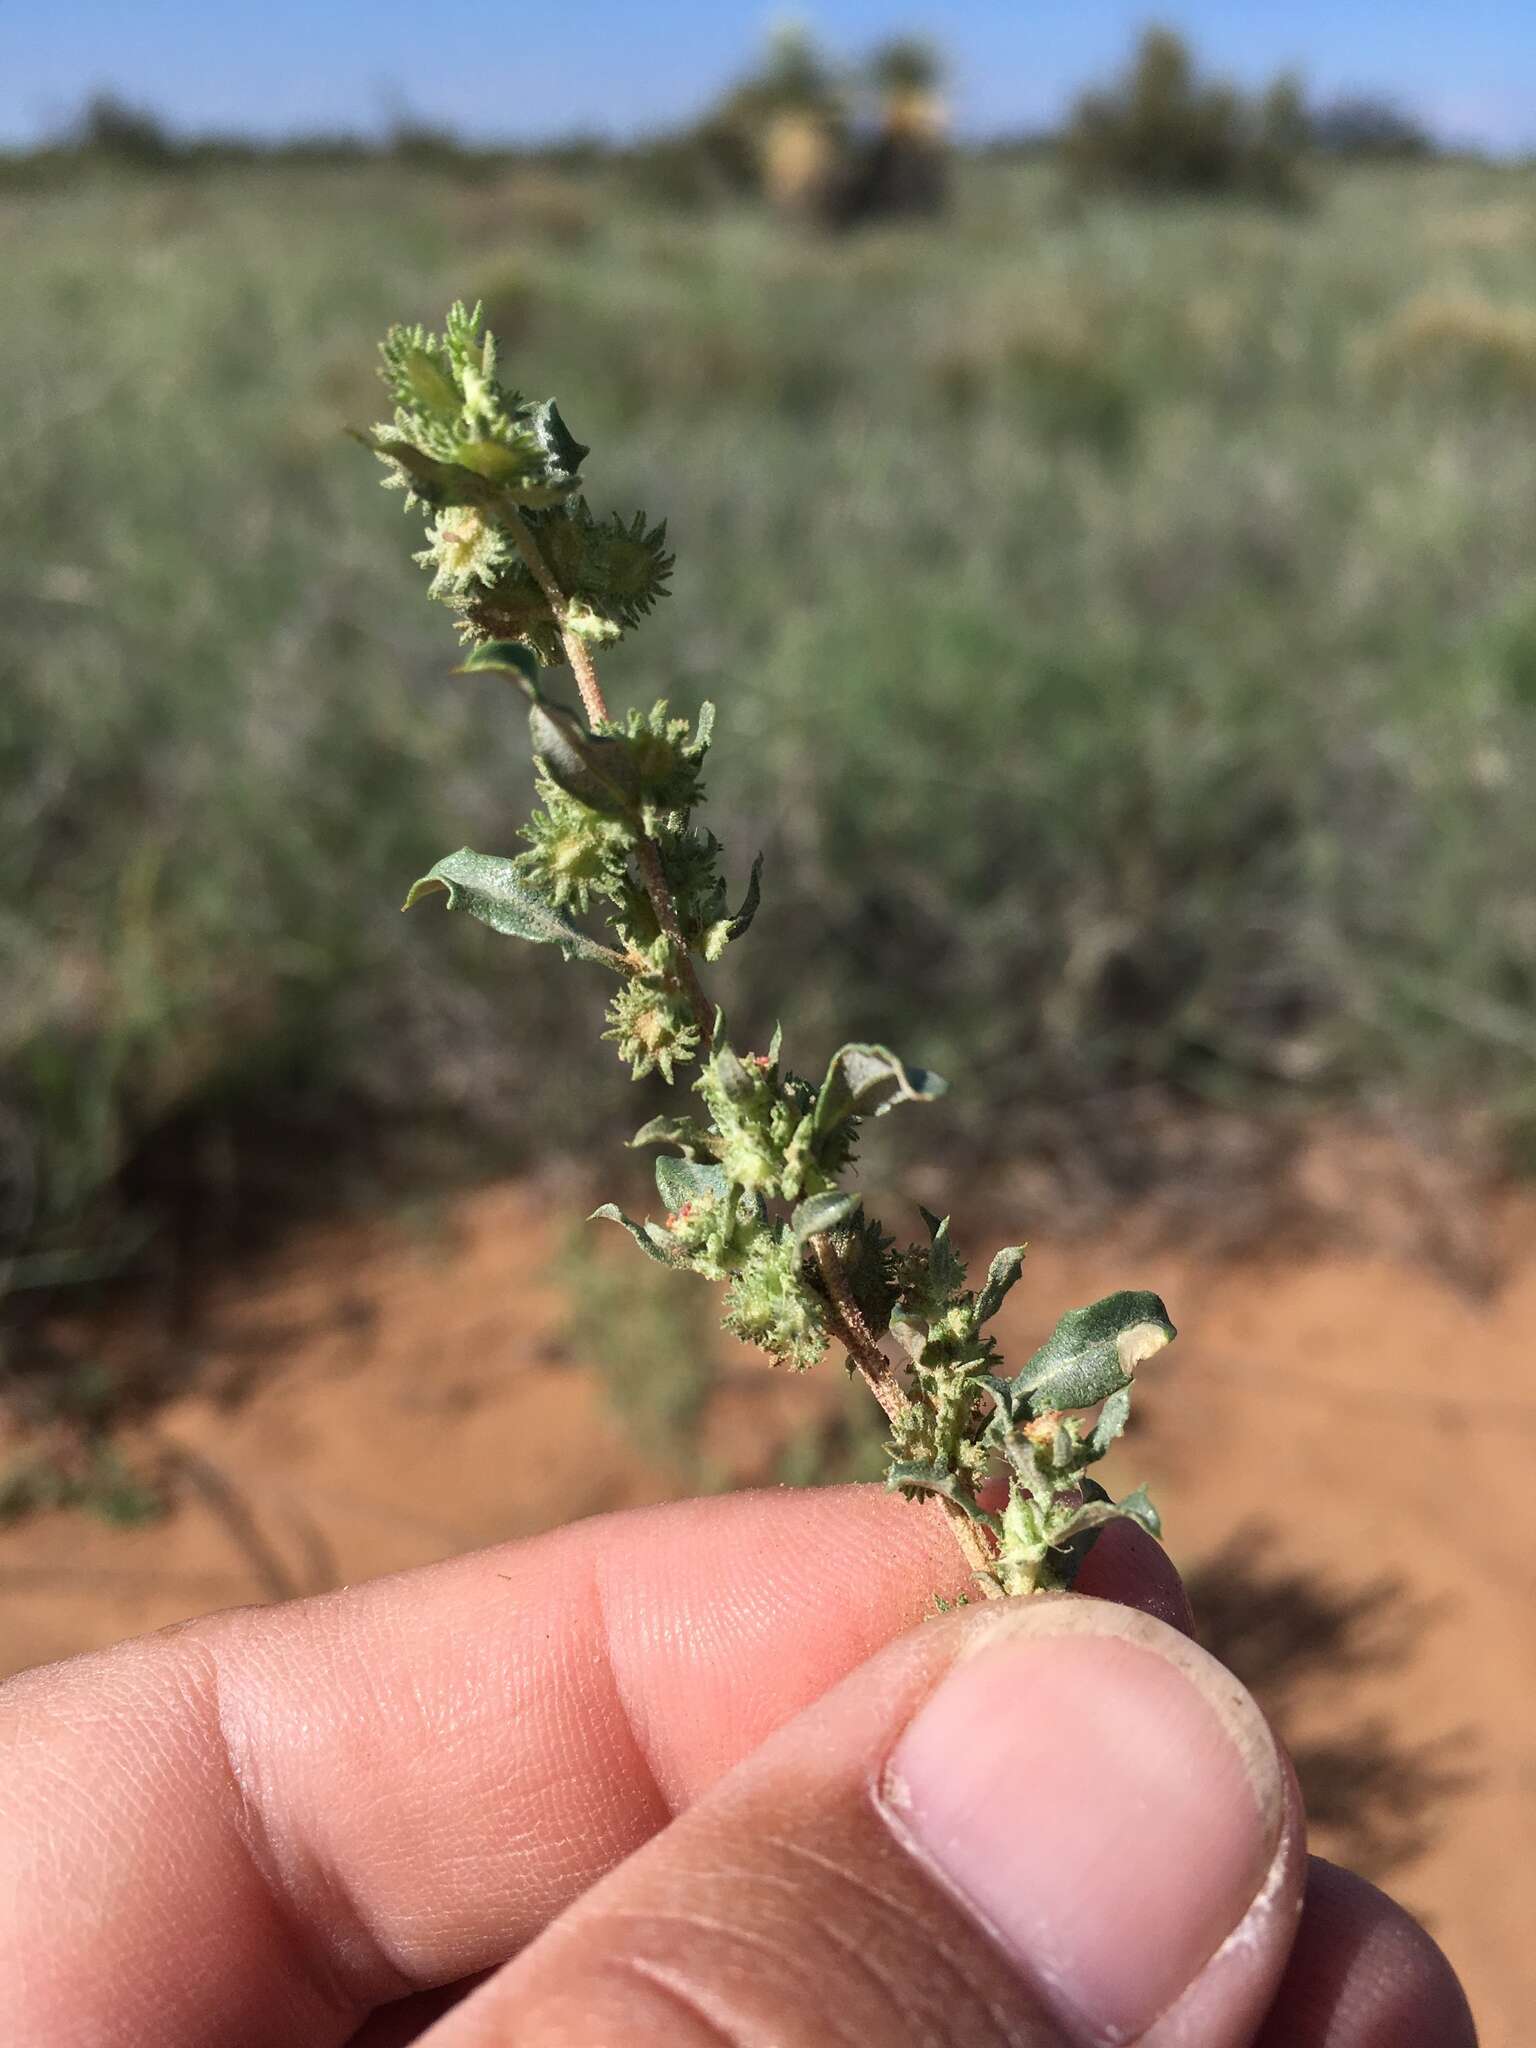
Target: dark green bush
[[1164, 130]]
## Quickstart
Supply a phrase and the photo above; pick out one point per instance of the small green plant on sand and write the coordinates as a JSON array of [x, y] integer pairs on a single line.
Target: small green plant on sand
[[752, 1185]]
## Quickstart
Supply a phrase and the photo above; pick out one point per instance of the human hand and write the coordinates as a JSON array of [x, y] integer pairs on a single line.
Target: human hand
[[693, 1777]]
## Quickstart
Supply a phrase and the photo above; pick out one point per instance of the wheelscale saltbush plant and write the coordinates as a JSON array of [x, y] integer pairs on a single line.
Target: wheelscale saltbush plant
[[752, 1187]]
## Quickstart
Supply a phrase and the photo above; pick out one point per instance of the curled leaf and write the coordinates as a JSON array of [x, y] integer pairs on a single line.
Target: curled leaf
[[911, 1478], [611, 1213], [822, 1212], [720, 935], [1001, 1275], [1113, 1417], [673, 1130], [867, 1080], [598, 772], [503, 657], [491, 889], [1093, 1514], [1092, 1352]]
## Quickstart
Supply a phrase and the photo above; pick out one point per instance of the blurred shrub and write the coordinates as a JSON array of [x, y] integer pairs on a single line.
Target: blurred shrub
[[111, 131], [653, 1347], [1459, 339], [903, 167], [1164, 131], [1054, 366], [1371, 130]]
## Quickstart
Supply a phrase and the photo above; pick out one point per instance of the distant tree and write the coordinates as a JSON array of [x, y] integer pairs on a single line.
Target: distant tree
[[1364, 126], [784, 128], [108, 127], [904, 168], [1163, 130]]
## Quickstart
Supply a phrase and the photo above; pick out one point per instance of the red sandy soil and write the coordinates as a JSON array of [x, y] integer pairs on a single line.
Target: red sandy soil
[[1356, 1522]]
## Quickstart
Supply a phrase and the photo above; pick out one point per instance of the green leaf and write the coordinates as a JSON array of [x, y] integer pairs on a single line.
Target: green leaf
[[1093, 1351], [435, 482], [429, 385], [503, 657], [946, 1268], [644, 1237], [499, 463], [1001, 1274], [822, 1212], [720, 935], [673, 1130], [867, 1080], [681, 1181], [904, 1477], [599, 773], [739, 1082], [561, 449], [704, 731], [1113, 1417], [492, 890], [1093, 1514]]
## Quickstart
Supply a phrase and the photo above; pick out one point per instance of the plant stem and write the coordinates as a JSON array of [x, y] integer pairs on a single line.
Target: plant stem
[[577, 652], [854, 1334], [846, 1319], [647, 854], [648, 860]]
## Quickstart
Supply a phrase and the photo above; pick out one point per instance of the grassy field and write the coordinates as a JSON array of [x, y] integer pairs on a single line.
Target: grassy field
[[1123, 624]]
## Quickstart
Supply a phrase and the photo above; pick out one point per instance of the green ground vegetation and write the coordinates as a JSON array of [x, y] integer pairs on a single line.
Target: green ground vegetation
[[1134, 608]]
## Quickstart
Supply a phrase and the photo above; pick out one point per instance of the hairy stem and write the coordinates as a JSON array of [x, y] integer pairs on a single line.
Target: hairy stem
[[847, 1324], [577, 652], [648, 860], [647, 854], [846, 1320]]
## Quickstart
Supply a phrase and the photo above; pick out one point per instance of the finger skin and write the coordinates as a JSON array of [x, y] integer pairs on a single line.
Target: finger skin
[[790, 1908], [1362, 1974], [298, 1813]]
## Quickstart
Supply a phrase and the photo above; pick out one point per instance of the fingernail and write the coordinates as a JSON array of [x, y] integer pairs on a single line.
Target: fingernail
[[1107, 1805]]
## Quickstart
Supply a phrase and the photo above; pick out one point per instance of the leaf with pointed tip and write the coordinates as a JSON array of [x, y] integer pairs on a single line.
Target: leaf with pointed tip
[[1093, 1514], [515, 465], [739, 1082], [561, 449], [673, 1130], [720, 935], [681, 1181], [1093, 1352], [503, 657], [430, 386], [491, 889], [1113, 1417], [1009, 1405], [946, 1268], [867, 1080], [775, 1045], [922, 1478], [610, 1212], [600, 773], [1001, 1274], [822, 1212], [435, 483]]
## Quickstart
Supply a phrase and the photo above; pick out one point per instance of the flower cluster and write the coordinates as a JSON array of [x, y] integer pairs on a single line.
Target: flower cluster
[[752, 1187]]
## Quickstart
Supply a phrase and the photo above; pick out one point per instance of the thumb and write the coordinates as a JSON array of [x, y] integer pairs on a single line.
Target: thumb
[[1050, 1823]]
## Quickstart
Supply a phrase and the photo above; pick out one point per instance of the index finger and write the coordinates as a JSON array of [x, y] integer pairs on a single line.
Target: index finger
[[258, 1827]]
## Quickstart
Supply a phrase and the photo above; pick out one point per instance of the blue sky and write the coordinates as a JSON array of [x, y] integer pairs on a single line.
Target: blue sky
[[628, 65]]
